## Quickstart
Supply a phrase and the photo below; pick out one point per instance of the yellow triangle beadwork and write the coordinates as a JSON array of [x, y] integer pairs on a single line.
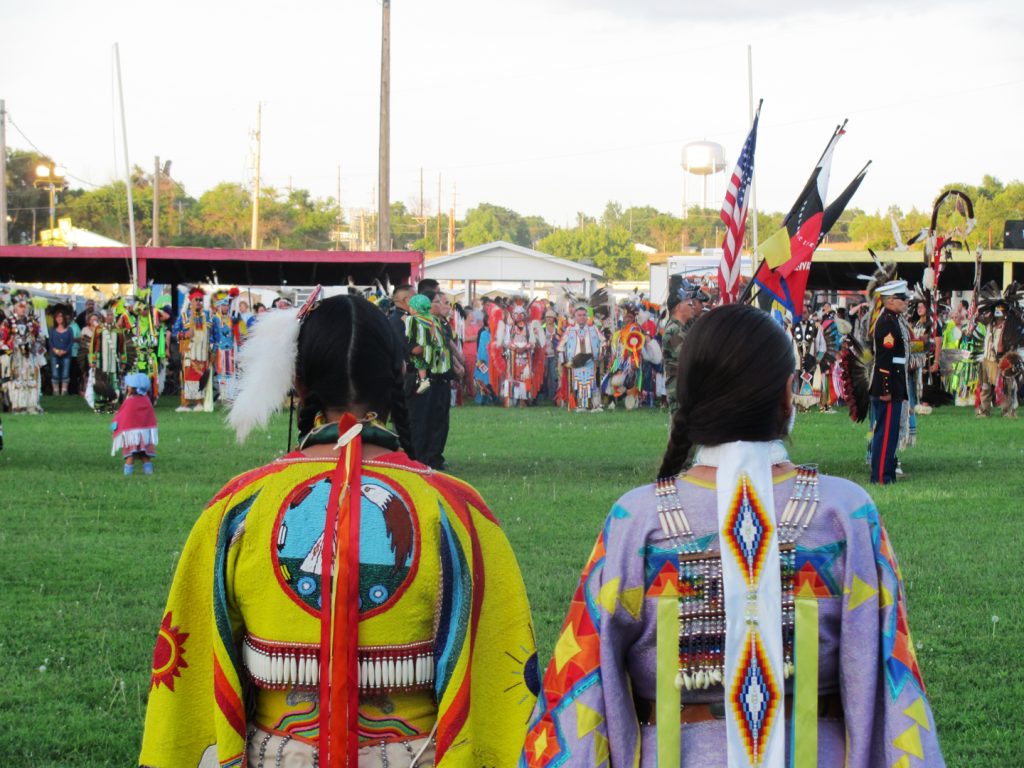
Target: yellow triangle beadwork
[[601, 751], [805, 590], [903, 762], [566, 648], [886, 597], [586, 720], [918, 713], [540, 745], [860, 592], [608, 595], [632, 600], [910, 741]]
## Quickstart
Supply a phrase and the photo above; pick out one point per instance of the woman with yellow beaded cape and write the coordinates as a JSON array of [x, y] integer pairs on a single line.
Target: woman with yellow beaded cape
[[341, 605], [747, 612]]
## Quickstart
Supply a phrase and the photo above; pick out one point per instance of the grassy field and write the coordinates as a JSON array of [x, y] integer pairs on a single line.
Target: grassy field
[[86, 555]]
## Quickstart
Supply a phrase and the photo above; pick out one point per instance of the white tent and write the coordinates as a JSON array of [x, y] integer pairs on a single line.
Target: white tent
[[513, 267]]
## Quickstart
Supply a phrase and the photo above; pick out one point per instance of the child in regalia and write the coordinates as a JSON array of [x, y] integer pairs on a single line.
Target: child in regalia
[[134, 426], [424, 338]]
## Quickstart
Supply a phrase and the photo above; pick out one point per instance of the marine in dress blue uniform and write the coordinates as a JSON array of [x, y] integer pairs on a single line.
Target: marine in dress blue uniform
[[889, 390]]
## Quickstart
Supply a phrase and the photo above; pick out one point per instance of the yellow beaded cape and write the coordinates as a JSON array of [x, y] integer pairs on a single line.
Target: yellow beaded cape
[[236, 578]]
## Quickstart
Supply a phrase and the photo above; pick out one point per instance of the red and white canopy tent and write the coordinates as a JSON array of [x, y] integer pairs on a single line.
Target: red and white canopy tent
[[36, 263]]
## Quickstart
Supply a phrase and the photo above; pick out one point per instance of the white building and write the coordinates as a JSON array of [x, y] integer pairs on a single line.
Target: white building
[[509, 268]]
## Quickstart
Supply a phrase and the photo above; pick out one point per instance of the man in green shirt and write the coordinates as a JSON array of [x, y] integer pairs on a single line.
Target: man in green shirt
[[685, 304]]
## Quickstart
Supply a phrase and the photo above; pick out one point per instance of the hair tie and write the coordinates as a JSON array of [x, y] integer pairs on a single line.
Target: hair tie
[[310, 304]]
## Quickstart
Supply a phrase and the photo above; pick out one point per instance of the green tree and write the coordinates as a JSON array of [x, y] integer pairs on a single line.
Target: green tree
[[609, 249], [994, 204], [637, 221], [430, 241], [487, 223], [873, 229], [537, 229], [405, 229], [992, 214], [612, 216], [27, 205], [222, 217], [104, 210]]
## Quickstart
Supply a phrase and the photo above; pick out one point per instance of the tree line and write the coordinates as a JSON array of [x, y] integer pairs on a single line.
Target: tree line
[[294, 219]]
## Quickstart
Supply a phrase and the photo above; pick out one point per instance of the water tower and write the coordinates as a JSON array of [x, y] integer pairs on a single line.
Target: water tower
[[702, 158]]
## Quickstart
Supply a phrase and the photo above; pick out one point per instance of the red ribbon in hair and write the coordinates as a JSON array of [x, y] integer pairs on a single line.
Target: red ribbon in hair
[[339, 600]]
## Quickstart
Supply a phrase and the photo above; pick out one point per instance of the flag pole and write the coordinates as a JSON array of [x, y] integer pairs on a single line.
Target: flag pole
[[753, 175], [127, 174]]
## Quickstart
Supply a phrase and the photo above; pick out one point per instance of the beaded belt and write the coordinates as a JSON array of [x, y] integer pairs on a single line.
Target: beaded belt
[[286, 666], [830, 707]]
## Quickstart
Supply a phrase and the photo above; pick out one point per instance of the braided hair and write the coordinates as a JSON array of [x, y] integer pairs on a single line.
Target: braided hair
[[734, 367], [348, 354]]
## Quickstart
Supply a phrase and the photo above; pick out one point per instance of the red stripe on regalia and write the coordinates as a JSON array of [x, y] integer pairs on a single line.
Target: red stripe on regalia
[[227, 699], [244, 479], [459, 709], [452, 488]]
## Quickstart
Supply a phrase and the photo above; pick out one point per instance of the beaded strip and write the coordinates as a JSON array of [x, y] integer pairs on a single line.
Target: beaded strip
[[280, 750], [287, 666], [701, 604], [263, 749]]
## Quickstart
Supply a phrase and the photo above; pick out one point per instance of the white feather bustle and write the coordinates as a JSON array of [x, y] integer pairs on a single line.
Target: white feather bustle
[[928, 279], [267, 370]]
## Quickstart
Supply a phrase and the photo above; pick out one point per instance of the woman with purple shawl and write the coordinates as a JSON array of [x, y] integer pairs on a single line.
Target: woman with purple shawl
[[755, 603]]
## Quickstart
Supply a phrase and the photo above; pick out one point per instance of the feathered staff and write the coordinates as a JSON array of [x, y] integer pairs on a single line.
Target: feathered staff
[[957, 212]]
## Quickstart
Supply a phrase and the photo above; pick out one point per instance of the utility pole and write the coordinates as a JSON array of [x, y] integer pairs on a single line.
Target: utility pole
[[156, 201], [451, 222], [438, 243], [340, 213], [127, 174], [384, 170], [254, 242], [422, 219], [3, 173]]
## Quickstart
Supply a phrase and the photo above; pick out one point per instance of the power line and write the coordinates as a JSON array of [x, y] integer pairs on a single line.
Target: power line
[[67, 174]]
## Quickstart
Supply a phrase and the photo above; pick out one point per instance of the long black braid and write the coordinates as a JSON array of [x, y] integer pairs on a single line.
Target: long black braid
[[730, 384], [348, 355], [679, 445]]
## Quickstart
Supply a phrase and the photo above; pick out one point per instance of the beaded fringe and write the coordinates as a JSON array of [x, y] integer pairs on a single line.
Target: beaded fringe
[[284, 666]]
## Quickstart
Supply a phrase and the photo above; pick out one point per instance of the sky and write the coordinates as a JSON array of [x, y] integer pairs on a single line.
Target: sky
[[548, 107]]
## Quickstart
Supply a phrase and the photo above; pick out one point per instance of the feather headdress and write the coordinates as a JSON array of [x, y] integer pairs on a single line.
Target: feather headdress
[[264, 382], [1009, 302]]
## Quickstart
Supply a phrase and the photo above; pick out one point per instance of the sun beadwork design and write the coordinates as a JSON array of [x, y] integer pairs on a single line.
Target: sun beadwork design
[[168, 655]]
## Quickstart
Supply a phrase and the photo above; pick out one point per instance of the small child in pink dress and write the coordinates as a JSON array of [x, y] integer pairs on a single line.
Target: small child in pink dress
[[134, 426]]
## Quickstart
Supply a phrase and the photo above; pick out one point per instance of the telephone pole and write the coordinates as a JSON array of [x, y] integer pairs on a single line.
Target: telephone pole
[[384, 170], [340, 213], [438, 243], [3, 173], [254, 242], [156, 201], [451, 222]]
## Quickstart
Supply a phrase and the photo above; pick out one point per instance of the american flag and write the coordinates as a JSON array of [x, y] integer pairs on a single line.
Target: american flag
[[734, 214]]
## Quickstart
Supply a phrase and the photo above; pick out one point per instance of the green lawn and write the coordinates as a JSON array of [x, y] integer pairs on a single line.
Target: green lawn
[[86, 555]]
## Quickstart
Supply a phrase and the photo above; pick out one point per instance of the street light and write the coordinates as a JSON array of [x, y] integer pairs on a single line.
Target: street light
[[50, 176]]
